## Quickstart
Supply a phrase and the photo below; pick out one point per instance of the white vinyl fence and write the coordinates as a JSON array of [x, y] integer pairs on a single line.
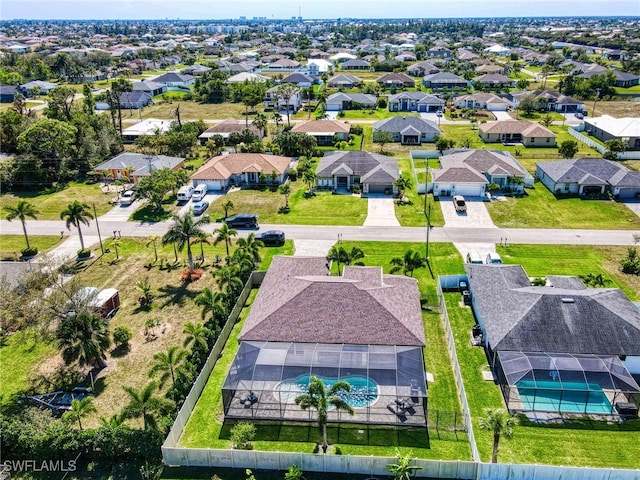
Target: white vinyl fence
[[575, 132]]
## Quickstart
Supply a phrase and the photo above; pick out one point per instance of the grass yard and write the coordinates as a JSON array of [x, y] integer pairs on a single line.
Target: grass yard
[[53, 201], [411, 214], [190, 110], [322, 209], [205, 427], [539, 208], [617, 109], [12, 245]]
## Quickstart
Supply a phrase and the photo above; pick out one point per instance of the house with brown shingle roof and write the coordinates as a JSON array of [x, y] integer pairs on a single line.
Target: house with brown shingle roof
[[529, 134], [396, 80], [363, 327], [324, 131], [222, 171]]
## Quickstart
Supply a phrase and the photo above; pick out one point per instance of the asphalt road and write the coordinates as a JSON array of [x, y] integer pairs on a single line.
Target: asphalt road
[[394, 234]]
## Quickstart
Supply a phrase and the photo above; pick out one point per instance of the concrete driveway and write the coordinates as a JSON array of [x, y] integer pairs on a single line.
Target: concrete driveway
[[633, 205], [380, 211], [476, 215], [121, 213], [502, 115]]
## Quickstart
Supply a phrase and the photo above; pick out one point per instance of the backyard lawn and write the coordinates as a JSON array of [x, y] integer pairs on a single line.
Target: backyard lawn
[[539, 208]]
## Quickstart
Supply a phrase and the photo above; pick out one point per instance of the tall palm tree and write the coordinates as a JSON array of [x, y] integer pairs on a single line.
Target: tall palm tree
[[410, 261], [500, 422], [251, 246], [277, 118], [115, 243], [21, 211], [213, 303], [182, 231], [285, 189], [337, 254], [143, 404], [260, 122], [75, 214], [309, 177], [168, 363], [403, 183], [196, 333], [225, 234], [320, 397], [152, 241], [228, 279], [79, 409], [84, 337]]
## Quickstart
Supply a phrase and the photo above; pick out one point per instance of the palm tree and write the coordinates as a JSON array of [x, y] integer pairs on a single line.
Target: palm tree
[[21, 211], [401, 470], [352, 255], [227, 205], [152, 241], [115, 243], [411, 260], [182, 231], [167, 363], [115, 421], [79, 409], [228, 279], [337, 254], [403, 183], [143, 404], [84, 337], [225, 234], [500, 422], [320, 397], [75, 214], [251, 246], [213, 303], [196, 334], [260, 122], [277, 118], [285, 189], [309, 177]]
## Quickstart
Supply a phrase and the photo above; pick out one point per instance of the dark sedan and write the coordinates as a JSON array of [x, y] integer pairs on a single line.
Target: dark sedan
[[271, 238]]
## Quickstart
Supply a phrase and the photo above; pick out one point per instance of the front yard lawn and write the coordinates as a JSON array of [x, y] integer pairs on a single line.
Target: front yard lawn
[[12, 245], [539, 208]]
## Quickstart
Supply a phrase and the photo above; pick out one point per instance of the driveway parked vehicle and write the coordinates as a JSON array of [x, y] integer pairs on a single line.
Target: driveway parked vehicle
[[127, 197], [459, 203], [243, 220], [200, 207], [271, 238]]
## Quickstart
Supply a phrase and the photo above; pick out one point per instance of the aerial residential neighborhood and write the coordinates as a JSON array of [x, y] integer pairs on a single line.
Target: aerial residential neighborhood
[[238, 246]]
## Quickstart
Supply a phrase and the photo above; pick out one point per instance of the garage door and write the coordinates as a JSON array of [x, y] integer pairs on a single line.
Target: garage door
[[628, 193], [379, 188], [468, 190], [213, 184]]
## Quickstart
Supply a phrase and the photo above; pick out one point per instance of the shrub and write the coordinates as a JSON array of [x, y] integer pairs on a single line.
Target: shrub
[[29, 252], [121, 335], [292, 174], [356, 130], [242, 434], [86, 253]]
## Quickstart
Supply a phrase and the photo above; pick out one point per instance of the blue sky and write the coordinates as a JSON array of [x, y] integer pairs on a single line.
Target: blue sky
[[215, 9]]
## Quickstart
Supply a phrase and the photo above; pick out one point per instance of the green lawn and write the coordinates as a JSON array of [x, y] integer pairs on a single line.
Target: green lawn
[[53, 201], [321, 209], [539, 208], [12, 245]]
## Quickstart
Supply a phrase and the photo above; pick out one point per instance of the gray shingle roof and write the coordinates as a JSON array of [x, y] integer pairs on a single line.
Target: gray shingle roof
[[398, 124], [359, 162], [299, 302], [139, 162], [520, 317], [590, 171]]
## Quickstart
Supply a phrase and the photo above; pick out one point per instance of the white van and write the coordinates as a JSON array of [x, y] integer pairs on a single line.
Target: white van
[[184, 194], [199, 192], [493, 258], [474, 257]]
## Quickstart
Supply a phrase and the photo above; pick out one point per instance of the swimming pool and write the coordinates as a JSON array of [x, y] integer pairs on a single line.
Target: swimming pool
[[364, 391], [571, 398]]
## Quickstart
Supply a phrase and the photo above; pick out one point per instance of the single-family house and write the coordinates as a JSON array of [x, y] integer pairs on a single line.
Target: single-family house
[[39, 86], [489, 68], [561, 348], [625, 79], [246, 77], [239, 169], [405, 57], [172, 79], [396, 80], [150, 87], [529, 134], [284, 64], [135, 166], [589, 176], [317, 66], [273, 101], [342, 169], [149, 126], [344, 80], [607, 127], [439, 52], [407, 130], [415, 102], [469, 172], [136, 99], [494, 80], [482, 101], [196, 70], [497, 49], [465, 55], [355, 64], [363, 327], [226, 127], [8, 93], [550, 101], [342, 57], [421, 69], [441, 80], [299, 79], [324, 131], [348, 101]]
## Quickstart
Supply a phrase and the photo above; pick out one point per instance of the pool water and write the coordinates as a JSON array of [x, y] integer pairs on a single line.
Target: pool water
[[364, 391], [571, 398]]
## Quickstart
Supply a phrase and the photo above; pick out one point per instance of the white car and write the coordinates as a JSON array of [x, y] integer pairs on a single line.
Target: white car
[[127, 197]]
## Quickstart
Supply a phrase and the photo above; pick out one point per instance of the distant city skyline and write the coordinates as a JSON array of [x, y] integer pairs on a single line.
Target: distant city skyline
[[310, 9]]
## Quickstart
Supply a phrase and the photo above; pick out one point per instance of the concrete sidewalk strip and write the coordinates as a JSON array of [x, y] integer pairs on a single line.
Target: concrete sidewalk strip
[[381, 212]]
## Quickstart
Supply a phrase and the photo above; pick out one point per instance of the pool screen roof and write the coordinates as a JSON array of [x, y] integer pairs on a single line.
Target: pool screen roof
[[585, 372], [263, 365]]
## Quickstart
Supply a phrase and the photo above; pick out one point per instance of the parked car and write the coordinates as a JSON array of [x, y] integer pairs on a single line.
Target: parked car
[[459, 203], [243, 220], [474, 257], [579, 115], [200, 207], [184, 194], [271, 238], [127, 197], [199, 192], [493, 258]]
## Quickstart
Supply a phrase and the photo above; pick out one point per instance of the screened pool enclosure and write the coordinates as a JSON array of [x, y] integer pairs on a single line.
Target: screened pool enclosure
[[388, 384], [565, 383]]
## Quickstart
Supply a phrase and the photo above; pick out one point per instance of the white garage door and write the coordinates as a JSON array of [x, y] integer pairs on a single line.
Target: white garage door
[[467, 190], [213, 184]]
